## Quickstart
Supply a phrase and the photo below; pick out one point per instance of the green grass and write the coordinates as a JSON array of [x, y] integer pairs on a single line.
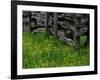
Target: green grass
[[41, 50]]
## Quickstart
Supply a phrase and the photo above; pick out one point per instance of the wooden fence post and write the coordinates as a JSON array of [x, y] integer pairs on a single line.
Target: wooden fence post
[[46, 23], [78, 32], [55, 25], [29, 14]]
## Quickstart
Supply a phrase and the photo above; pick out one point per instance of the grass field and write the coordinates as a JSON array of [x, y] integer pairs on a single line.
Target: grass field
[[41, 50]]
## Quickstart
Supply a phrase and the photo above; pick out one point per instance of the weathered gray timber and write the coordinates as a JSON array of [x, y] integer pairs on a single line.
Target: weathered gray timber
[[26, 20], [55, 27]]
